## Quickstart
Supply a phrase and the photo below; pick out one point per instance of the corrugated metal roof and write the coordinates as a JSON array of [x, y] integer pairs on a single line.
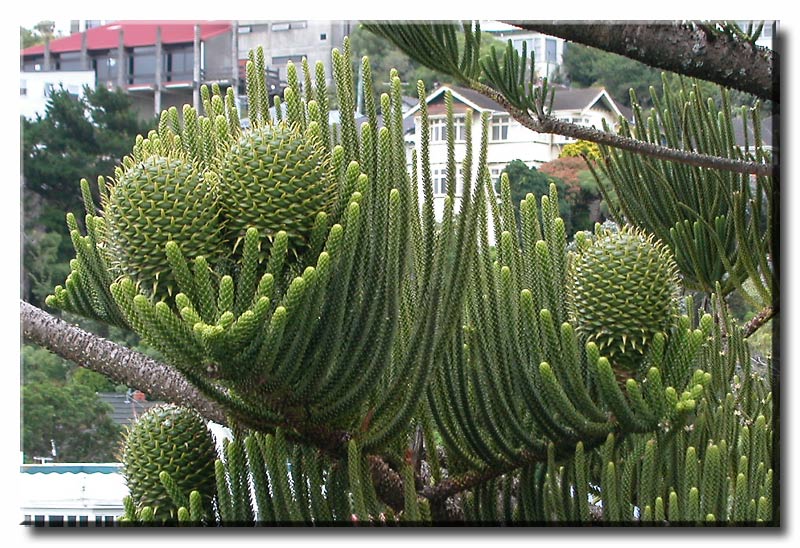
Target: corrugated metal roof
[[71, 468], [136, 34]]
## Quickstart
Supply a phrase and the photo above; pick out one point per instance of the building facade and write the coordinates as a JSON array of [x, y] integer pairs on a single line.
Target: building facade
[[161, 64], [548, 51], [508, 140]]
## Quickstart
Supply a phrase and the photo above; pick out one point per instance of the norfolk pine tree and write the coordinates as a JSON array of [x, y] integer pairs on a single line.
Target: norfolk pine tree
[[377, 367]]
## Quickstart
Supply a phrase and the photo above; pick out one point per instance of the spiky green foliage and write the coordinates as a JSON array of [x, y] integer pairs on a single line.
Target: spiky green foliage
[[719, 224], [159, 200], [275, 177], [625, 291], [168, 453], [394, 345]]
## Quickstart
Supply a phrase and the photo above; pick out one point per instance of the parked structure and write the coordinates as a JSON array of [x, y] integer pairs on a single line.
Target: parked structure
[[71, 495]]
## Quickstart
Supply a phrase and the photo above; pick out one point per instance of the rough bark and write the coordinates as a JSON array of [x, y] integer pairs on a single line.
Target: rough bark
[[117, 362], [129, 367], [687, 49], [759, 320]]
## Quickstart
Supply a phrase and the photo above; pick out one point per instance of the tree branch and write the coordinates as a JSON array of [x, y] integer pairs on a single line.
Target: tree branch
[[684, 48], [117, 362], [551, 125], [759, 320], [132, 368]]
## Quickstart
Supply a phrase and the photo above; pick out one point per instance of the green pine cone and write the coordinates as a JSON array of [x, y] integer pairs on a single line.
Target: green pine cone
[[275, 178], [625, 290], [153, 202], [171, 439]]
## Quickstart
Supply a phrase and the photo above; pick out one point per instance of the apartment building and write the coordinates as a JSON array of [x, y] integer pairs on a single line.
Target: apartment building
[[163, 63]]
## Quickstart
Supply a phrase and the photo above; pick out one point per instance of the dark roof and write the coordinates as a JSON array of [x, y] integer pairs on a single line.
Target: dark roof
[[136, 33], [125, 410], [565, 99], [477, 98]]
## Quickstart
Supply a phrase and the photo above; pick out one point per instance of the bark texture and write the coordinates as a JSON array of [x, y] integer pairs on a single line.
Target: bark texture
[[117, 362], [692, 50], [133, 368]]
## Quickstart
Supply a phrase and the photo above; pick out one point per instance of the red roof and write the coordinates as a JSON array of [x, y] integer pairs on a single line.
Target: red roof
[[136, 33]]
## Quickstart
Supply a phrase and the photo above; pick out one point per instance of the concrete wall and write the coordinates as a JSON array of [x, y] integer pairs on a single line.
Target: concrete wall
[[292, 40], [217, 57]]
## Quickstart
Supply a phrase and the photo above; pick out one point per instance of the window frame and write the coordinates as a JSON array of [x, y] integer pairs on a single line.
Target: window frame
[[500, 128]]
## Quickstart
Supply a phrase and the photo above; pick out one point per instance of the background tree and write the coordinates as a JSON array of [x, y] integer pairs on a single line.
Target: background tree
[[581, 192], [76, 137], [526, 180], [60, 406], [587, 66]]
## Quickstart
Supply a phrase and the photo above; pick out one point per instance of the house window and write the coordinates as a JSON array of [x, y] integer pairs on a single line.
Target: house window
[[439, 179], [70, 61], [289, 25], [537, 50], [500, 125], [284, 59], [179, 64], [550, 50], [323, 37], [438, 131], [142, 65], [458, 129]]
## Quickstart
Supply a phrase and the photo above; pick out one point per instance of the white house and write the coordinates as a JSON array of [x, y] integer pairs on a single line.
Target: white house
[[548, 50], [508, 139], [35, 88]]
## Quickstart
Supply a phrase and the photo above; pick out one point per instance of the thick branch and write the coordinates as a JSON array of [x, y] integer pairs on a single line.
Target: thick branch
[[551, 125], [681, 48], [117, 362], [127, 366]]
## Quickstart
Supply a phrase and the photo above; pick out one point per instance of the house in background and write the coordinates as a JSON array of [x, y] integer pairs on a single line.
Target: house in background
[[508, 139], [35, 88], [161, 64], [126, 408], [158, 63], [548, 50]]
